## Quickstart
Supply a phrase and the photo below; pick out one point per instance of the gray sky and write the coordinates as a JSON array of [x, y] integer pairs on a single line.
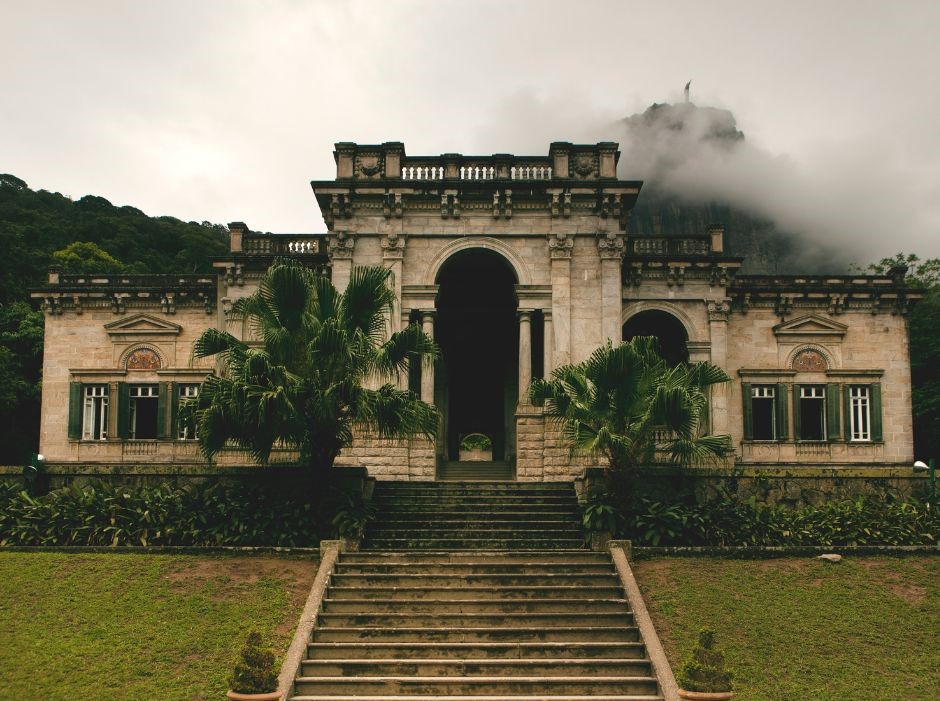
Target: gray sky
[[226, 110]]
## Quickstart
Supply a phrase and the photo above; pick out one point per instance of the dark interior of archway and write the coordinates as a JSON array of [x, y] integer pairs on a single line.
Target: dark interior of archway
[[673, 341], [478, 333]]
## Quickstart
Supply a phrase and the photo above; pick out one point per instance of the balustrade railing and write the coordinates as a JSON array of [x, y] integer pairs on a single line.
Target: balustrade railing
[[669, 245], [477, 169], [285, 245]]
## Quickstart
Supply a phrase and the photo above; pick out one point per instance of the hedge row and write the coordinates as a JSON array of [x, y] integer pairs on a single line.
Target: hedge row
[[728, 521], [211, 514]]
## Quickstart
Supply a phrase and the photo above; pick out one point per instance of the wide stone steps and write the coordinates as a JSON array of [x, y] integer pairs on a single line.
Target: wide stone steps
[[473, 579], [475, 668], [605, 630], [416, 650], [472, 686], [410, 618], [475, 591]]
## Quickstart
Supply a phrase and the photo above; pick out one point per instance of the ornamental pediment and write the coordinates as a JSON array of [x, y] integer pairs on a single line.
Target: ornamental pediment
[[142, 325], [810, 325]]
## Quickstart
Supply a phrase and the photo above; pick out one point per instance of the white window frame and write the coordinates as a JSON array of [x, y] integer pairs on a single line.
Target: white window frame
[[859, 413], [95, 405], [765, 392], [136, 392], [187, 391], [815, 392]]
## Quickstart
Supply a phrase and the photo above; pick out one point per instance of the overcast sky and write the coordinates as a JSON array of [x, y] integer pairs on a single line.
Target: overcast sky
[[225, 110]]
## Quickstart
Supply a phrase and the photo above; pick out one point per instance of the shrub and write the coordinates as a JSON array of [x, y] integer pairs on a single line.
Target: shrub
[[731, 522], [254, 671], [209, 514], [352, 514], [705, 670], [600, 513]]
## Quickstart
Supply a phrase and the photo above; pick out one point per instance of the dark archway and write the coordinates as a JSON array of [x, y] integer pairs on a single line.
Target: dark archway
[[673, 340], [477, 330]]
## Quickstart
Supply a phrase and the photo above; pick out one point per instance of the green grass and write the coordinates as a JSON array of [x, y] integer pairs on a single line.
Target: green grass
[[77, 626], [866, 629]]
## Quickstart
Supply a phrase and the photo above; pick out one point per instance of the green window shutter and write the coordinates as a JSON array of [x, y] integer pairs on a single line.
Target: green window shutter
[[833, 425], [123, 410], [796, 412], [76, 409], [847, 411], [783, 418], [748, 419], [877, 433], [163, 415], [174, 397]]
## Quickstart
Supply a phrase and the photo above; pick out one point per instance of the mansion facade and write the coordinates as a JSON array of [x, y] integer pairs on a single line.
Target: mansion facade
[[515, 265]]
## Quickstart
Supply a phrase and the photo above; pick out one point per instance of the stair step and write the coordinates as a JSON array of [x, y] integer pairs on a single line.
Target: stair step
[[444, 606], [409, 618], [431, 543], [586, 685], [488, 697], [486, 593], [521, 557], [467, 632], [566, 649], [474, 580], [476, 668], [473, 569]]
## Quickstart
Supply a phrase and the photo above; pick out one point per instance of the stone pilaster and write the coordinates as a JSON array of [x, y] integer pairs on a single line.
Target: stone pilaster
[[718, 313], [610, 248], [560, 248], [341, 257]]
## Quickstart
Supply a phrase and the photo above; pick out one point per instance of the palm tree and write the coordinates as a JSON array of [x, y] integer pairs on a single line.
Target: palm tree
[[306, 386], [618, 402]]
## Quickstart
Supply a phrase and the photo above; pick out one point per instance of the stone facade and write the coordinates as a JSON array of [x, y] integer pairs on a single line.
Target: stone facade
[[807, 354]]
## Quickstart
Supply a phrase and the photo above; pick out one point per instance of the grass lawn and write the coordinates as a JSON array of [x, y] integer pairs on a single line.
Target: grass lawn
[[866, 629], [79, 626]]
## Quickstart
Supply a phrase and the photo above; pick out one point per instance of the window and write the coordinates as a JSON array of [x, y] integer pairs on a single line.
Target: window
[[812, 413], [763, 413], [95, 413], [187, 392], [859, 413], [144, 400]]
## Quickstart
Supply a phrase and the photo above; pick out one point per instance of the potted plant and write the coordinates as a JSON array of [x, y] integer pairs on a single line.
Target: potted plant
[[254, 678], [704, 676]]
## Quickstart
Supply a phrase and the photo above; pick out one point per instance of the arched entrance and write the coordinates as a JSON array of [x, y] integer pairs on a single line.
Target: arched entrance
[[673, 339], [477, 377]]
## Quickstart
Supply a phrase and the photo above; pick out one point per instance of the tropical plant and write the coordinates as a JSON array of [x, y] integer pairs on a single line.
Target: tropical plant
[[306, 387], [704, 670], [254, 671], [626, 404]]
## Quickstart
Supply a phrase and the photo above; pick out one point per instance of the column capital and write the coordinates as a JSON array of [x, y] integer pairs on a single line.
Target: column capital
[[718, 310], [393, 246], [611, 246], [560, 245], [427, 314], [342, 245], [525, 314]]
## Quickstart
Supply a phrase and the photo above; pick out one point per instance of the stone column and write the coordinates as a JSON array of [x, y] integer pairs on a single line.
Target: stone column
[[718, 312], [427, 368], [547, 339], [404, 320], [560, 250], [525, 354], [610, 248]]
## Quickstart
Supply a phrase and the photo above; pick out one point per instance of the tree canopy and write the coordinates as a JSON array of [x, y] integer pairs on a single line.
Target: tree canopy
[[317, 372]]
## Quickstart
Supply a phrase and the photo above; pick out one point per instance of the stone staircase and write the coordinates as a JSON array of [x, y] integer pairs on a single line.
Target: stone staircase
[[479, 591]]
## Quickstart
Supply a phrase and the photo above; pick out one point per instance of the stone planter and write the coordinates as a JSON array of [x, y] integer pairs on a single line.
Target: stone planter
[[270, 696], [705, 695]]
